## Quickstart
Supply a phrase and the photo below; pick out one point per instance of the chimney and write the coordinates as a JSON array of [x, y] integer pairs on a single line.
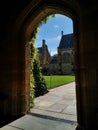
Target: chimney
[[43, 43], [62, 33]]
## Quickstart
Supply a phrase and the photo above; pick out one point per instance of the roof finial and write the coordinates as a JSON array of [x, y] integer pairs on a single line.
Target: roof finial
[[62, 33]]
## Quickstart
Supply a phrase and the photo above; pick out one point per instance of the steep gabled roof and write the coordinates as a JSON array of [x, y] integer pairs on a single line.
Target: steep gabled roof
[[66, 41]]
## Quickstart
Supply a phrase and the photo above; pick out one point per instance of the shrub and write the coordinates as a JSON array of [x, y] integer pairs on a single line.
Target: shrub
[[39, 82]]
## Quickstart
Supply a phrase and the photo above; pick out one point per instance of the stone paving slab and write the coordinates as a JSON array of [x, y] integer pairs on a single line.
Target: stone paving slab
[[55, 114], [55, 110], [61, 99], [44, 104], [70, 110], [56, 107], [31, 122]]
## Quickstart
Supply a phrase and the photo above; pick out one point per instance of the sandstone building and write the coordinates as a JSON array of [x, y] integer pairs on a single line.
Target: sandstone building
[[66, 54], [18, 19], [63, 62], [44, 54]]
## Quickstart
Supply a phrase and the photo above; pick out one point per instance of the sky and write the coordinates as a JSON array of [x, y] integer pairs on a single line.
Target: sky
[[51, 32]]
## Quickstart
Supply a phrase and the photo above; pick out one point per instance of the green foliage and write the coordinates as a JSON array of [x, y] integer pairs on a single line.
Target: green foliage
[[39, 82], [31, 91], [33, 55]]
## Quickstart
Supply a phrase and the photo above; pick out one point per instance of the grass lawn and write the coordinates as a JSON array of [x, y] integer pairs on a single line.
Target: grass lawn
[[55, 81]]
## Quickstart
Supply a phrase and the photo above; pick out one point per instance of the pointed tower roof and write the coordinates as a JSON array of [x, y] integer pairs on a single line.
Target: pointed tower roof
[[66, 41]]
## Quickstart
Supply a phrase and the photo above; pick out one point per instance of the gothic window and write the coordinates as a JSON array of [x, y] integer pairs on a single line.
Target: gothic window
[[66, 57]]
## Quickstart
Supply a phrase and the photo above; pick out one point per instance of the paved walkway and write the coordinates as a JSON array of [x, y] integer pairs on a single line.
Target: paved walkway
[[55, 110], [60, 100]]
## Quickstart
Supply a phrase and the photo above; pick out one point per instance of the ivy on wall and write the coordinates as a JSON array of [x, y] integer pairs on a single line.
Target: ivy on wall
[[37, 83]]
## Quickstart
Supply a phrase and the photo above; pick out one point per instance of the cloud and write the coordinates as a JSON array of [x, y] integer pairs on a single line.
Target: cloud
[[53, 39], [56, 26], [53, 52], [58, 37], [53, 43], [49, 41]]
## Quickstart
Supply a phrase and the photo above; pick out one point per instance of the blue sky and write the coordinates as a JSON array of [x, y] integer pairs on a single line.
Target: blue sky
[[51, 32]]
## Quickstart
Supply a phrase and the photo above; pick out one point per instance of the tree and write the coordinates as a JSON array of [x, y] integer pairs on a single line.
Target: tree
[[39, 82]]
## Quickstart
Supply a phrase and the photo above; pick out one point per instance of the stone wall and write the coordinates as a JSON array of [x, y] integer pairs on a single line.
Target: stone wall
[[16, 26]]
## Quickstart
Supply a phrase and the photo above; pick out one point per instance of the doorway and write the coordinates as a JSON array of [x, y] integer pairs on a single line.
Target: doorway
[[60, 101]]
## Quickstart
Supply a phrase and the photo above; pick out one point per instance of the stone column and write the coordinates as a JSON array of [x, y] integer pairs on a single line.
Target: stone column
[[87, 72]]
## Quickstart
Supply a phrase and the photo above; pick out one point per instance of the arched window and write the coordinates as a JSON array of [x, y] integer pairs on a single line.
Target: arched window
[[66, 57]]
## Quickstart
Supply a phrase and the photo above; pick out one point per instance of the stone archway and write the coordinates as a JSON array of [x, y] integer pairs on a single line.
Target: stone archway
[[28, 25], [16, 89]]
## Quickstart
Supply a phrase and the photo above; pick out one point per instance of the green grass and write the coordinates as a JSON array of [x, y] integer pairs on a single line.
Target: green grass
[[55, 81]]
